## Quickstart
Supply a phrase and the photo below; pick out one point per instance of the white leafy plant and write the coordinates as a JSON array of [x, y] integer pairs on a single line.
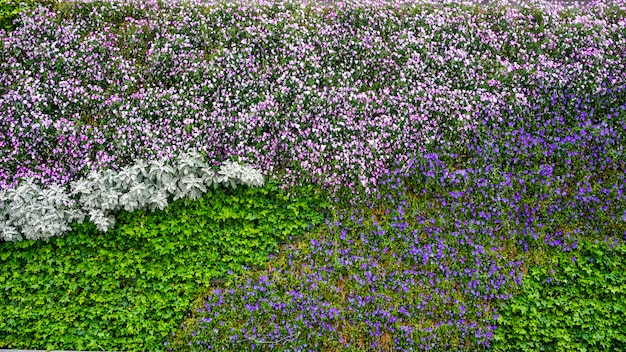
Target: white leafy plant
[[29, 212]]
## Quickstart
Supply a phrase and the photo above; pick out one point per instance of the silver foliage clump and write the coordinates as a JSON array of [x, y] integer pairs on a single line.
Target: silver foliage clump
[[29, 212], [233, 174], [190, 183]]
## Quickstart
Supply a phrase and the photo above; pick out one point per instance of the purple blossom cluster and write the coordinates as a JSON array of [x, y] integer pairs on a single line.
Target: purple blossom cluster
[[445, 242], [334, 94], [387, 287]]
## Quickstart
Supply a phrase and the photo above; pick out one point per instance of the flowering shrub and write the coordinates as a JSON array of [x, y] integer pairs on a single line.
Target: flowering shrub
[[10, 11], [313, 93], [30, 212]]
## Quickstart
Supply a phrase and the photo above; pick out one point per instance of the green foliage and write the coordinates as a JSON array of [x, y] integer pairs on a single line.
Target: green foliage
[[131, 287], [10, 10], [577, 303]]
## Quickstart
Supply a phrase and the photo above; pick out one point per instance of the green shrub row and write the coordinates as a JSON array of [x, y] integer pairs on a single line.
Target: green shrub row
[[131, 287]]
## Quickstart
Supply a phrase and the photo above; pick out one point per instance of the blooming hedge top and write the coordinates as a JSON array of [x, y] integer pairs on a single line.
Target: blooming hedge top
[[334, 95]]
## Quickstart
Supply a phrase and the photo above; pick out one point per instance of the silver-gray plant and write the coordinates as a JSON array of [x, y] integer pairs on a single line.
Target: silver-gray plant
[[233, 174], [29, 212]]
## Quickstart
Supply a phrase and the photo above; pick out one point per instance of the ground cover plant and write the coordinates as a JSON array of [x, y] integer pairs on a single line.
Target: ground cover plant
[[576, 302], [129, 288], [465, 148]]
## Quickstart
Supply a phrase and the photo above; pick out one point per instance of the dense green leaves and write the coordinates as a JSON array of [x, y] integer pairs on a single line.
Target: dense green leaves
[[10, 10], [576, 303], [129, 288]]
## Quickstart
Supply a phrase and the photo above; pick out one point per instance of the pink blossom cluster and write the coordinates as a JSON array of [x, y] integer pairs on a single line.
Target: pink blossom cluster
[[330, 93]]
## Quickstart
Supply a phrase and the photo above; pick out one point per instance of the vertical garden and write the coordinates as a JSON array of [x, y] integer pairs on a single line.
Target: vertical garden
[[308, 176]]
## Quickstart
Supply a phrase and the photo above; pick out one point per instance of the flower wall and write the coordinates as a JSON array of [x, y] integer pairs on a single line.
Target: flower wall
[[467, 149]]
